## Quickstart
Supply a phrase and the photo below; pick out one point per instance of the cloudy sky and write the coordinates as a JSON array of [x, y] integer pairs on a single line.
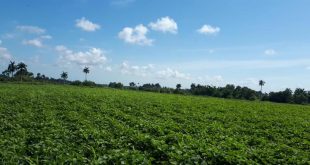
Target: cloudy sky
[[162, 41]]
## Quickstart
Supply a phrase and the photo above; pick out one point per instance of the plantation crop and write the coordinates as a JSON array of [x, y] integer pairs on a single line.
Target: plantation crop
[[53, 124]]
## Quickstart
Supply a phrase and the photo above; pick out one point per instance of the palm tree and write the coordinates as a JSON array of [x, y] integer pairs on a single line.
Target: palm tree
[[261, 84], [178, 86], [132, 84], [21, 69], [64, 76], [12, 68], [86, 71]]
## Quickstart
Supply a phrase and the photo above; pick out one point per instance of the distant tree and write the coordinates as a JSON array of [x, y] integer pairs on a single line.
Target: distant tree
[[178, 89], [248, 93], [132, 84], [30, 74], [21, 70], [261, 83], [300, 96], [86, 71], [12, 68], [281, 96], [6, 73], [178, 86], [38, 77], [157, 86], [89, 83], [238, 93], [193, 86], [227, 91], [116, 85], [64, 76], [150, 87], [166, 90], [308, 94]]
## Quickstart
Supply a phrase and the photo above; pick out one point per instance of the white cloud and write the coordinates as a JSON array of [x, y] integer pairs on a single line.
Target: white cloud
[[216, 80], [31, 29], [208, 29], [5, 54], [242, 64], [46, 37], [143, 71], [249, 82], [86, 25], [152, 72], [37, 42], [108, 68], [171, 73], [9, 36], [270, 52], [135, 35], [92, 57], [164, 24], [33, 42]]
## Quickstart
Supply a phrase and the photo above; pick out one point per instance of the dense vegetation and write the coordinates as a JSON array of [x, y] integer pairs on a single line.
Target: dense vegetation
[[42, 124], [20, 72]]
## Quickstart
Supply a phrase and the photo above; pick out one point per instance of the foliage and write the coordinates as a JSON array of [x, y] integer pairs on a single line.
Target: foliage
[[150, 87], [57, 124], [300, 96], [132, 84], [86, 71], [116, 85], [229, 91], [76, 82], [64, 75], [12, 68], [89, 83], [282, 96]]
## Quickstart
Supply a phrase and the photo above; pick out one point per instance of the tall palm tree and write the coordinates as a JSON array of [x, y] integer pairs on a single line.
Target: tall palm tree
[[64, 76], [12, 68], [261, 84], [86, 71], [21, 70]]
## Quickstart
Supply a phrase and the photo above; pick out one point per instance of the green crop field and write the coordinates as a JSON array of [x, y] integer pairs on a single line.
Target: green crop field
[[55, 124]]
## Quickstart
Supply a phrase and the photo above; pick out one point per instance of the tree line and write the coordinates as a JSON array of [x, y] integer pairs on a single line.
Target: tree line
[[19, 72]]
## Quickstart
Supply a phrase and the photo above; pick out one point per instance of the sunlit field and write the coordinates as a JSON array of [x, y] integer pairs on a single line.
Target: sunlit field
[[45, 124]]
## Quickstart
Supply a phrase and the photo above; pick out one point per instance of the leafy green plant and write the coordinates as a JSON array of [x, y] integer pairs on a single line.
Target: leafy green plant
[[55, 124]]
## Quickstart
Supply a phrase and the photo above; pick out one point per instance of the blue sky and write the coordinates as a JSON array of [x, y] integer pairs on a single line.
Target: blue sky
[[165, 41]]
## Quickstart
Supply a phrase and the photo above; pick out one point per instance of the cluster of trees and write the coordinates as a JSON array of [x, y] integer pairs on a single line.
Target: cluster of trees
[[299, 96], [156, 88], [19, 72], [116, 85], [229, 91]]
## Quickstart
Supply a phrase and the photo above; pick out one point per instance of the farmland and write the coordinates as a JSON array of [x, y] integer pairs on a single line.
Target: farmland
[[41, 124]]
